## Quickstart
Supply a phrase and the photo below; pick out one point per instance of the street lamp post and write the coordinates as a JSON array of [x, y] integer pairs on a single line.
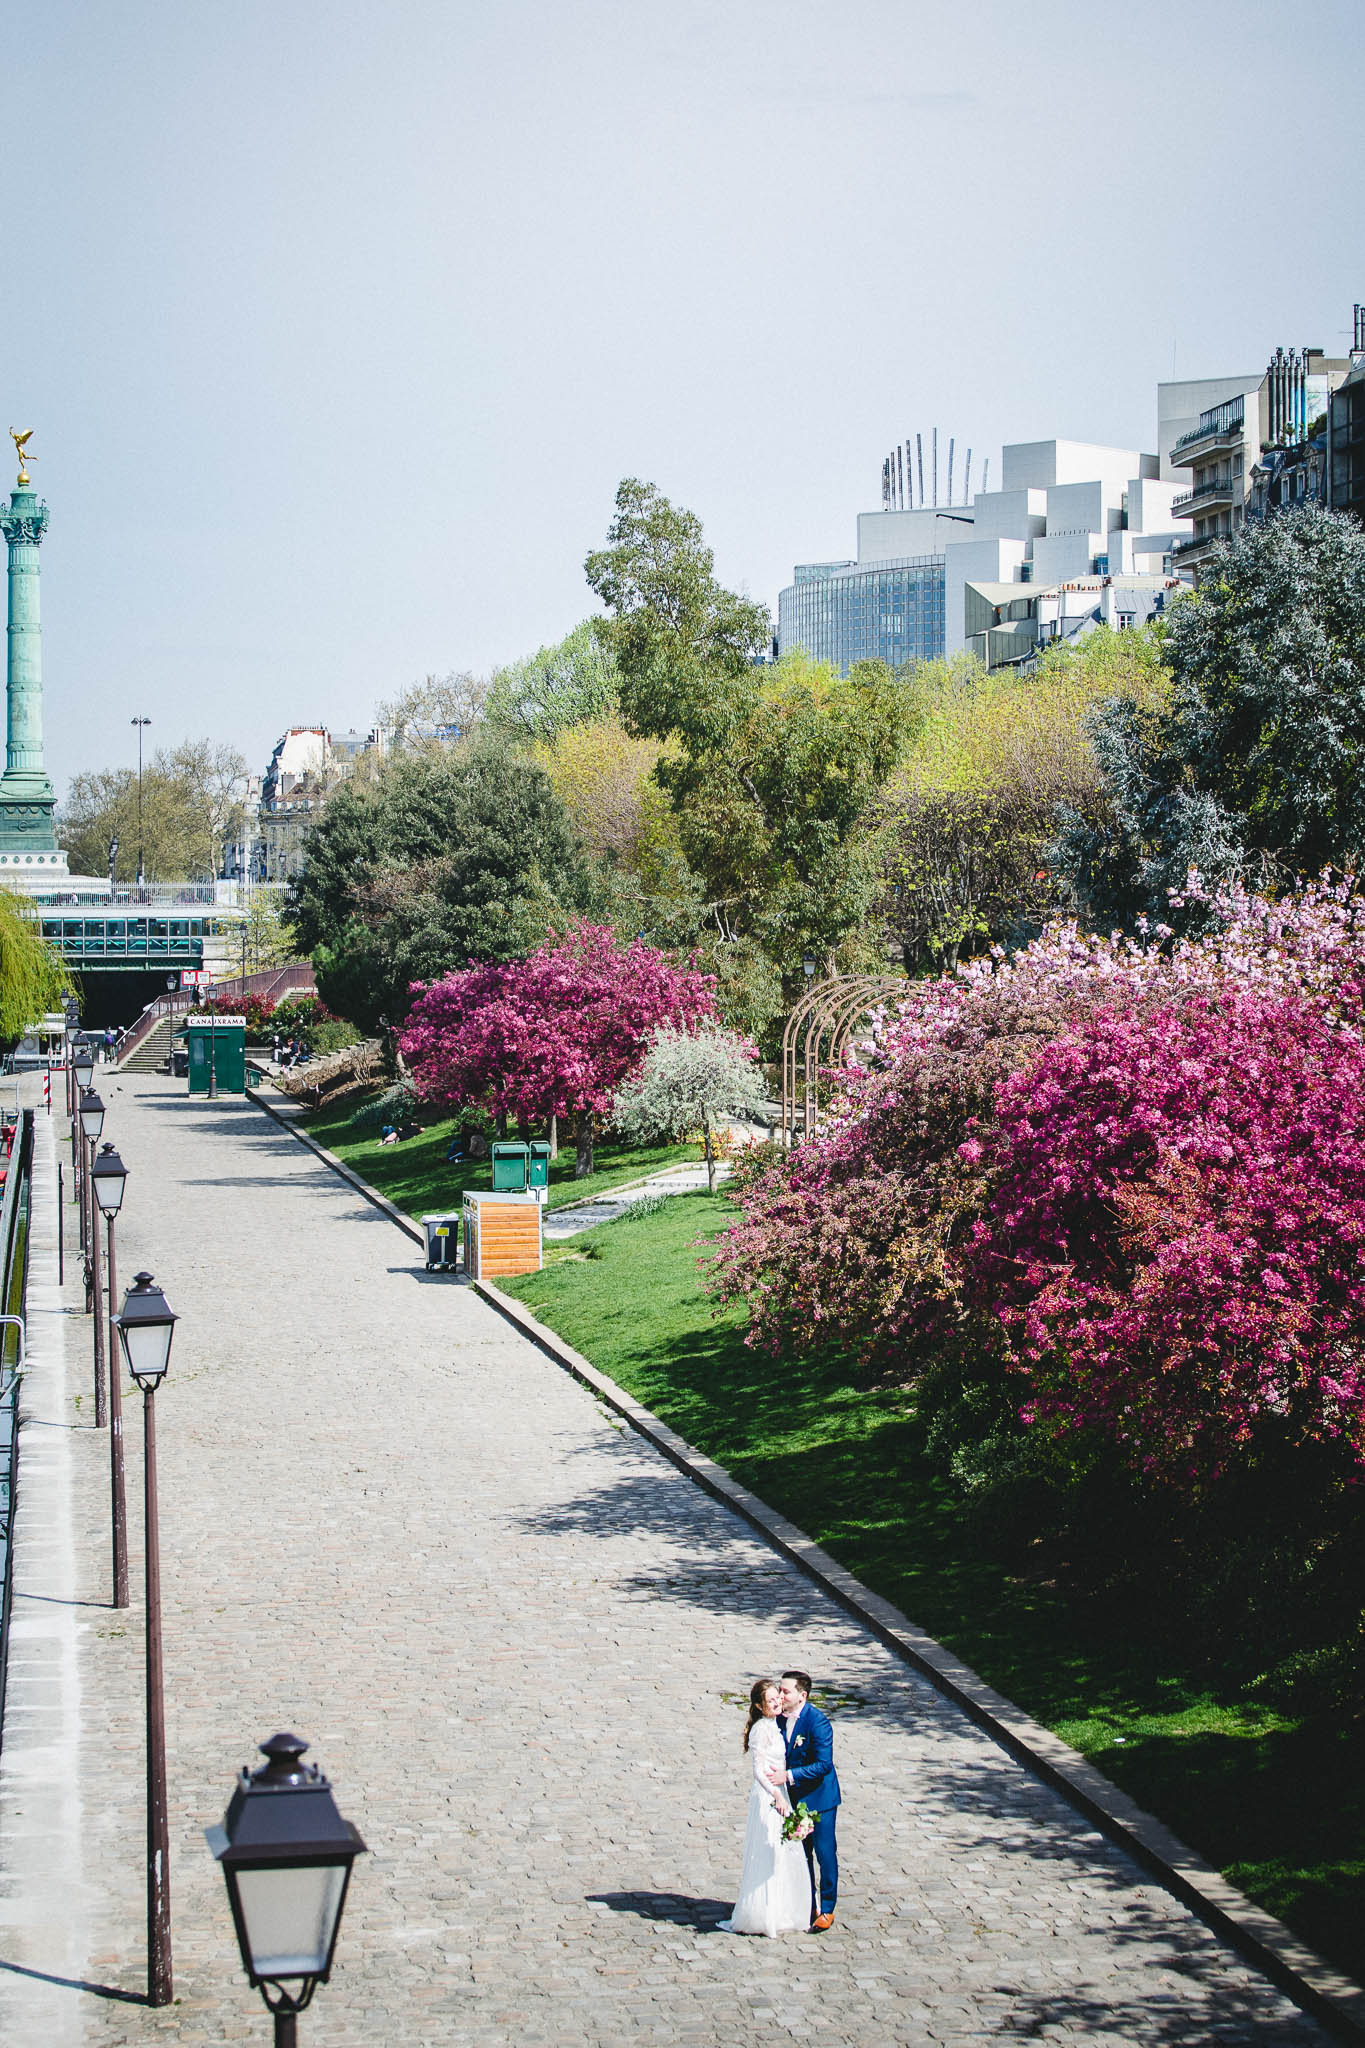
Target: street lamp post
[[92, 1123], [146, 1327], [113, 866], [82, 1075], [141, 870], [286, 1855], [109, 1179]]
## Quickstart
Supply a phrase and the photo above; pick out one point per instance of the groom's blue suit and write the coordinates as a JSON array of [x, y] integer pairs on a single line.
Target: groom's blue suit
[[810, 1765]]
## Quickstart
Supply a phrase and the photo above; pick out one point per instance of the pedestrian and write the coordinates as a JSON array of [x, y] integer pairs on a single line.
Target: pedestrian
[[811, 1779]]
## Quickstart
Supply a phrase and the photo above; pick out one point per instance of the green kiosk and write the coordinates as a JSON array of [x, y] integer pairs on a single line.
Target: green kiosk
[[217, 1046]]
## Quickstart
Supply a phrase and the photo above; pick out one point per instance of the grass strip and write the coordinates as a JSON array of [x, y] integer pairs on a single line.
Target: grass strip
[[1276, 1803], [415, 1174]]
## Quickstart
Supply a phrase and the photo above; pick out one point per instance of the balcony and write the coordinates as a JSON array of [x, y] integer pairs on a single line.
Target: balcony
[[1221, 426], [1200, 543], [1223, 490]]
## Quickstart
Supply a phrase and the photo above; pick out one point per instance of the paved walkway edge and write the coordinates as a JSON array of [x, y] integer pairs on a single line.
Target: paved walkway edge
[[406, 1223], [1335, 1999], [1309, 1979]]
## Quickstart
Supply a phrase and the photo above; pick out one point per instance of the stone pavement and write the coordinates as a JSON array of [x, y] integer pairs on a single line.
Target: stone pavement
[[519, 1642]]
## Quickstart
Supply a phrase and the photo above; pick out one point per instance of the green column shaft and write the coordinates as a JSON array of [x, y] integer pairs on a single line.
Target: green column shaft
[[24, 676], [23, 522]]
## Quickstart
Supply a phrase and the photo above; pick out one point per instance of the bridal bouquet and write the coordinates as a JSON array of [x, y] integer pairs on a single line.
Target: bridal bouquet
[[799, 1823]]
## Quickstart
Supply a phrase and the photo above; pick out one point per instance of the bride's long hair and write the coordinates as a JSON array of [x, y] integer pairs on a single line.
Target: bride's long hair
[[756, 1714]]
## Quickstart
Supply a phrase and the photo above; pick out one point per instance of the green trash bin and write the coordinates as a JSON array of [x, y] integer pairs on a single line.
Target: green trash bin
[[510, 1162], [221, 1041], [538, 1175]]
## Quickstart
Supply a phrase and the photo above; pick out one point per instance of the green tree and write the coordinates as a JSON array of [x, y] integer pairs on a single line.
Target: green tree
[[433, 713], [193, 801], [33, 979], [966, 825], [770, 770], [1255, 766], [684, 645], [451, 856], [557, 688]]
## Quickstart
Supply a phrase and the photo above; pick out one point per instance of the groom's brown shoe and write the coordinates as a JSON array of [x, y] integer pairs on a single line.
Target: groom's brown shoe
[[822, 1923]]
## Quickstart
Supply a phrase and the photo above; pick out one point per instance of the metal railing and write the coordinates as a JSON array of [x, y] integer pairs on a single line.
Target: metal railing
[[164, 1006], [1228, 418], [15, 1213], [1209, 492], [270, 982], [1196, 542]]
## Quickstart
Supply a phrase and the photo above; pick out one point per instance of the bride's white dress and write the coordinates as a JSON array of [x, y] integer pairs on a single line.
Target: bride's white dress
[[774, 1882]]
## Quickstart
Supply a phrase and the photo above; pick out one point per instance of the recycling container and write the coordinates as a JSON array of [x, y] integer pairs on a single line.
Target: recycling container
[[510, 1161]]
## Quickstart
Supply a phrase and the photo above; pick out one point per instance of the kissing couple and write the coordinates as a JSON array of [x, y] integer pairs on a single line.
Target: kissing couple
[[793, 1807]]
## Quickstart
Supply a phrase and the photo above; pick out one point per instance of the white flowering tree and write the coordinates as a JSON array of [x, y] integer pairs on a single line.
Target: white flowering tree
[[693, 1080]]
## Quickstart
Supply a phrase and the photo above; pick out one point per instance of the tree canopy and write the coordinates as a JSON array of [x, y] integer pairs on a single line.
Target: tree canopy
[[450, 856], [546, 693], [554, 1034], [691, 1079], [33, 979], [1255, 765], [683, 644], [193, 805]]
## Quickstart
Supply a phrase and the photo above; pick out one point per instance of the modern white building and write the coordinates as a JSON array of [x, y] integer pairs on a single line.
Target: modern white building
[[1068, 516]]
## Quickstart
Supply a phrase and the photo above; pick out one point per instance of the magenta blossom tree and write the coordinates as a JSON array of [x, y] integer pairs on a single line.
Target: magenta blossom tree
[[1174, 1231], [1129, 1170], [553, 1035]]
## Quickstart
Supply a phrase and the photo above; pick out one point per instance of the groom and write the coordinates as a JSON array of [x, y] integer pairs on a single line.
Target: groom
[[811, 1776]]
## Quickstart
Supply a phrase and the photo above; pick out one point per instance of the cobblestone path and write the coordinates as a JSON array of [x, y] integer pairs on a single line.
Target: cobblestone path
[[518, 1642]]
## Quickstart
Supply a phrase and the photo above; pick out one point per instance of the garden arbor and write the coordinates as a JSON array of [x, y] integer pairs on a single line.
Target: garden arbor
[[825, 1017]]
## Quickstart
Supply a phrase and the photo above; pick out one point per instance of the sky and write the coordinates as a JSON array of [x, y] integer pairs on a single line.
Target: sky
[[339, 321]]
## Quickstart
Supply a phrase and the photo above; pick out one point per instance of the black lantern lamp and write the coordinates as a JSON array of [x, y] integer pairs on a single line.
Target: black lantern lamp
[[146, 1326], [808, 966], [286, 1855], [83, 1062], [109, 1177], [92, 1114]]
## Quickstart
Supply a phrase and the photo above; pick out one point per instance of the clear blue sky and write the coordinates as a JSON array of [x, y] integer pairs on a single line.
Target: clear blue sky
[[338, 323]]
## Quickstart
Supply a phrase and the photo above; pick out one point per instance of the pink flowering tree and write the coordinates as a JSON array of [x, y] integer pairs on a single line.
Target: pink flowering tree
[[1092, 1165], [1174, 1229], [553, 1035]]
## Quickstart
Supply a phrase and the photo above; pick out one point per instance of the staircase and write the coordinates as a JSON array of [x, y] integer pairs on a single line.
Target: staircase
[[152, 1053]]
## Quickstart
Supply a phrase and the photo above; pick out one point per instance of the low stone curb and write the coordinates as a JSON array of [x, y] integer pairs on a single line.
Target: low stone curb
[[1335, 1999], [1312, 1982], [408, 1224]]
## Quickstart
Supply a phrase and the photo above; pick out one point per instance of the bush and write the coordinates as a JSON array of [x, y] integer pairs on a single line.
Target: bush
[[1131, 1173]]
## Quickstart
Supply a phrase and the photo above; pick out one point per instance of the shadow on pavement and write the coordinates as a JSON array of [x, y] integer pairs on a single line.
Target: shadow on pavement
[[669, 1906], [76, 1984]]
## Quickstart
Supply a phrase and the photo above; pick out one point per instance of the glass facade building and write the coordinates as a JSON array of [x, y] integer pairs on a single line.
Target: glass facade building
[[842, 612]]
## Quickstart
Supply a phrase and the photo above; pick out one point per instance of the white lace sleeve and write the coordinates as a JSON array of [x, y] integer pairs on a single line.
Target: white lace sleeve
[[766, 1748]]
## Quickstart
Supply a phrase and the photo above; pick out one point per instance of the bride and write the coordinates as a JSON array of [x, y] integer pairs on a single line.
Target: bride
[[774, 1881]]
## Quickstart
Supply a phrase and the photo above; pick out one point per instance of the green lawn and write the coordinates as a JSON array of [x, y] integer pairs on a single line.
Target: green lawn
[[1277, 1803], [415, 1174]]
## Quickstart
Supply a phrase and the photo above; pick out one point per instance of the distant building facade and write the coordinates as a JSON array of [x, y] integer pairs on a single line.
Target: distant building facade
[[1346, 432], [306, 768], [888, 605], [1247, 452]]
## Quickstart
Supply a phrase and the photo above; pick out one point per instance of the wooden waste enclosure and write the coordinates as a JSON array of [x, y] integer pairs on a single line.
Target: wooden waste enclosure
[[501, 1235]]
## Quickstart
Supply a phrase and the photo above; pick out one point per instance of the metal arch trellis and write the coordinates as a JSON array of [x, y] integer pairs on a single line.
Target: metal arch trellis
[[832, 1008]]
